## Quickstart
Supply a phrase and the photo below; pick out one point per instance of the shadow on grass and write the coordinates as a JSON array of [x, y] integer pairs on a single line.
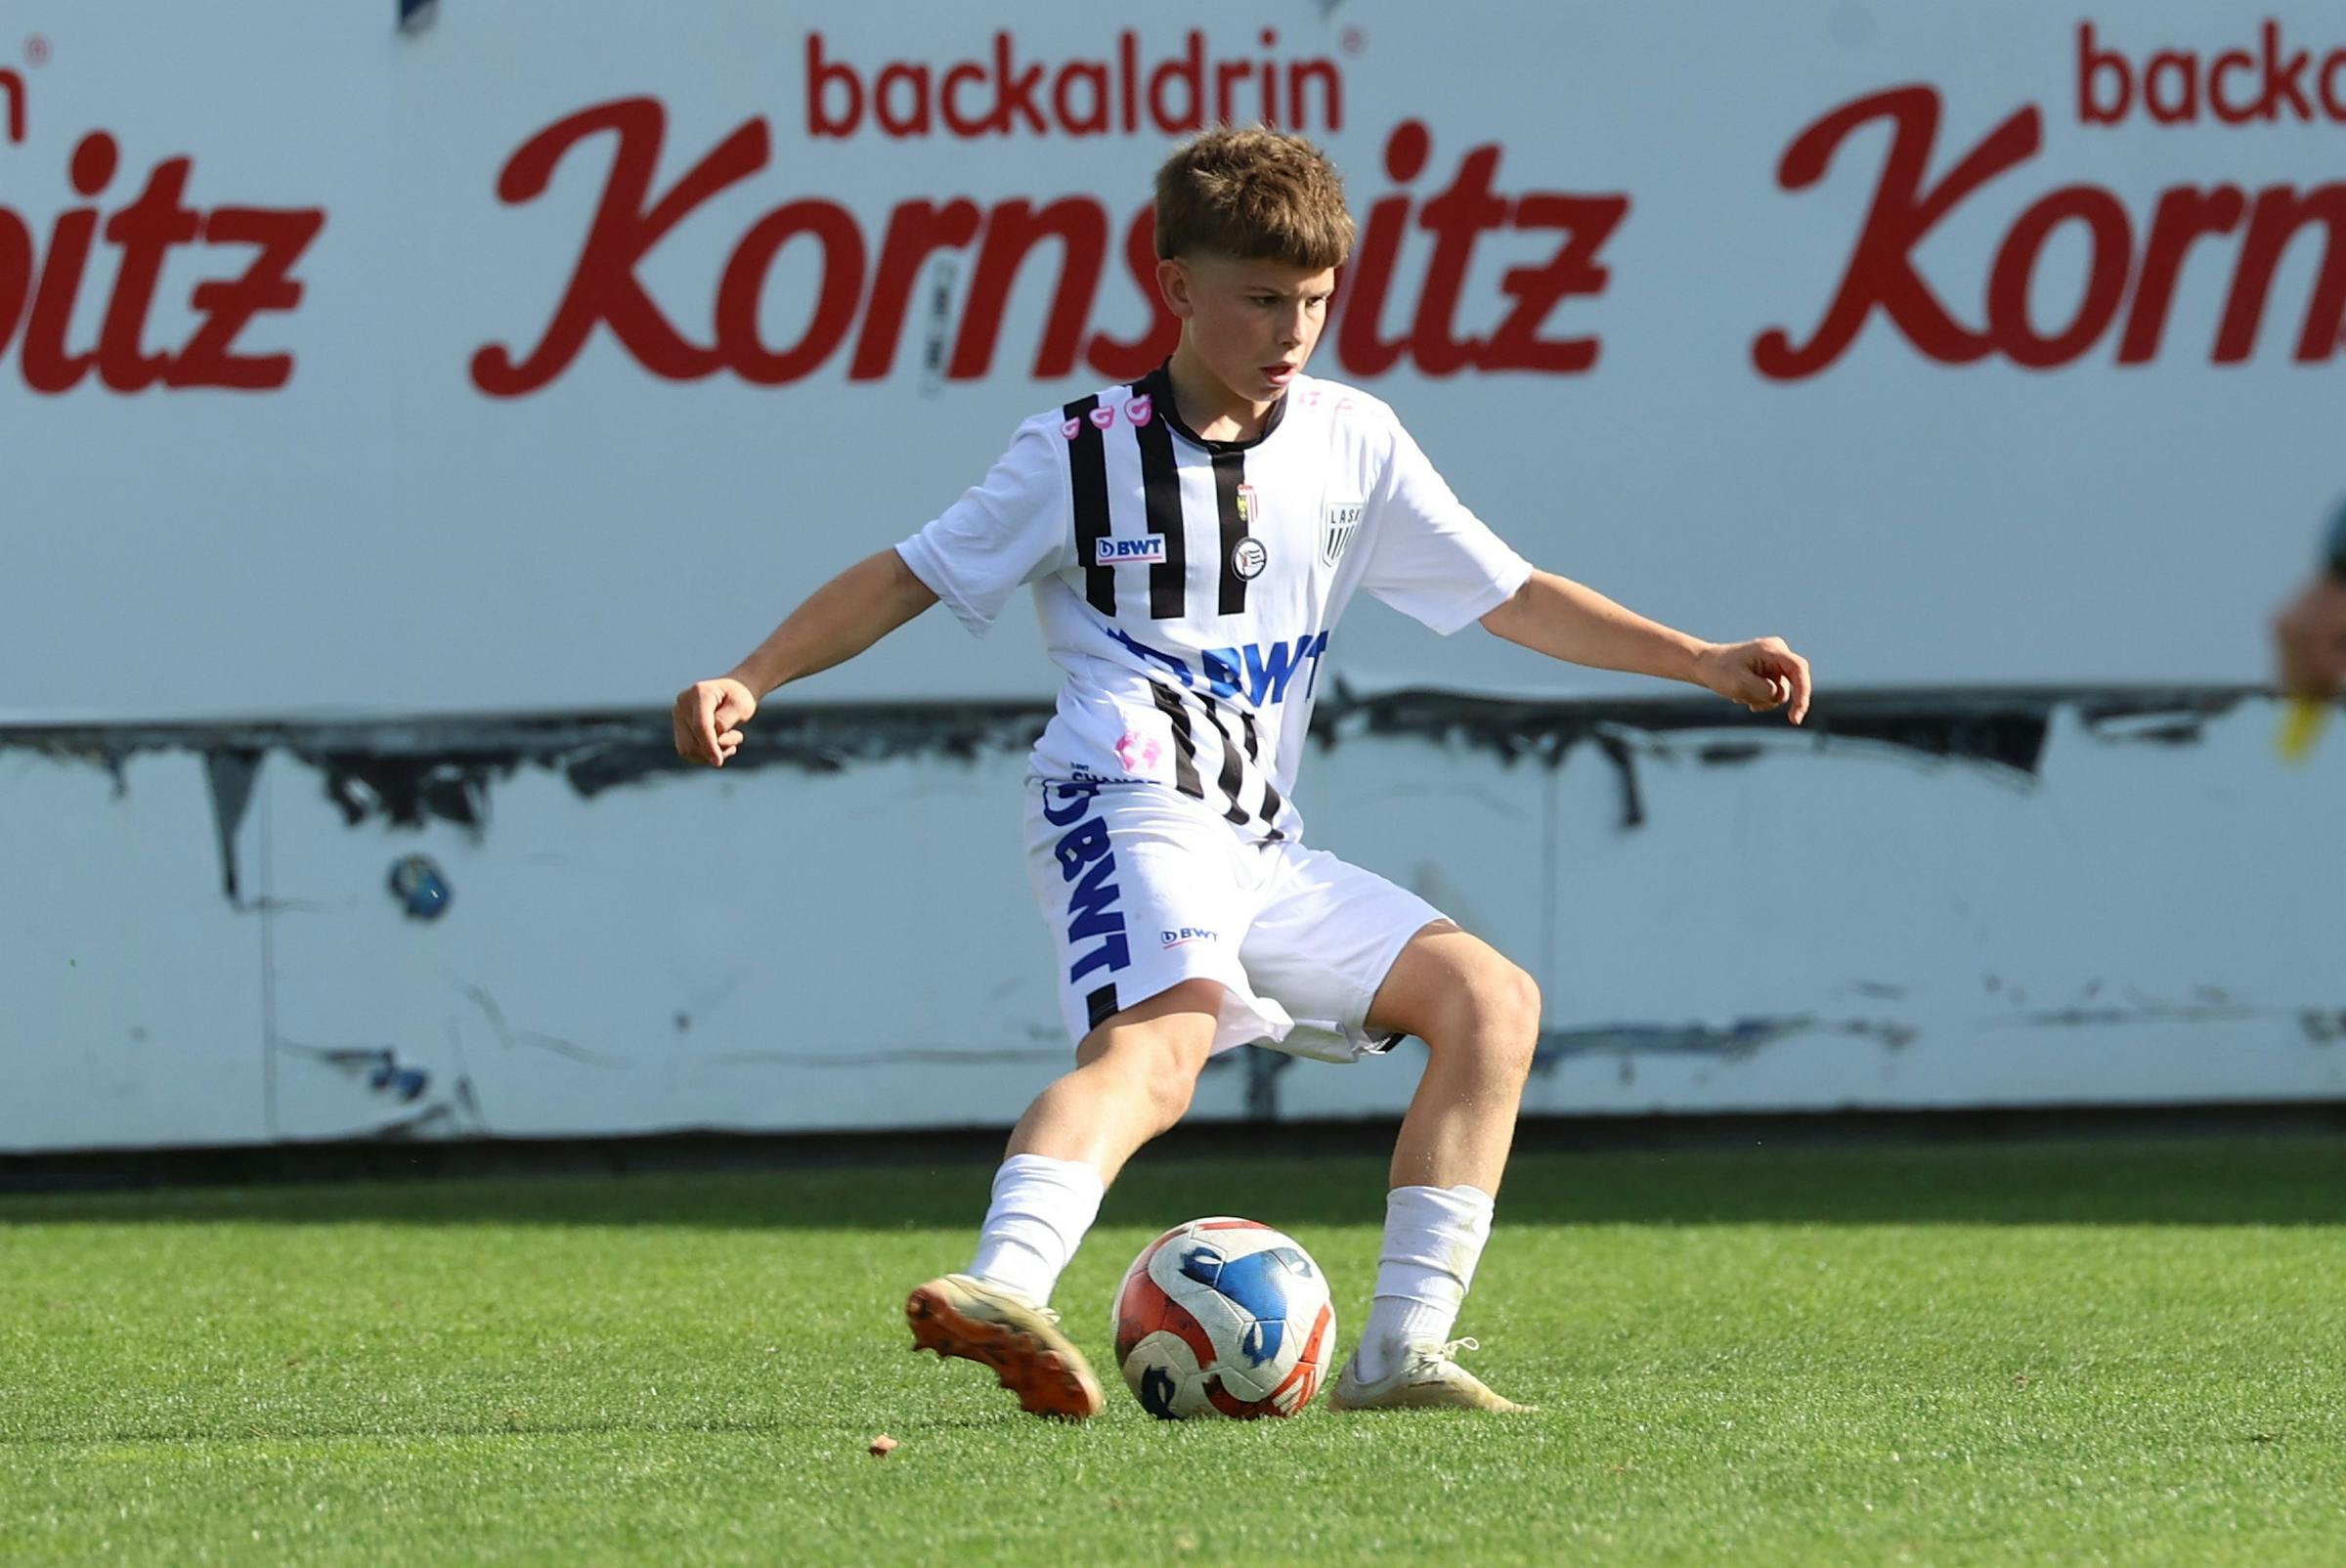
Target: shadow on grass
[[2296, 1180]]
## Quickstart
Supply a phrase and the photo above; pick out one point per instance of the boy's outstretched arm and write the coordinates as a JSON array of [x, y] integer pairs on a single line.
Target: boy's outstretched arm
[[1566, 619], [839, 621]]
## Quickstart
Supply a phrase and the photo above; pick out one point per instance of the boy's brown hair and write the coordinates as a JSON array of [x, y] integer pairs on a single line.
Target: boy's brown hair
[[1256, 195]]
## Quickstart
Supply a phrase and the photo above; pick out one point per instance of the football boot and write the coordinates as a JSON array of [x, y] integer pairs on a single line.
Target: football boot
[[957, 1315], [1430, 1377]]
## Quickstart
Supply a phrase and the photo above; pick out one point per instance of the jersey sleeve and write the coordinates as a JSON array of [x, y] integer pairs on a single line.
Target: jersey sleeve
[[1428, 556], [1010, 529]]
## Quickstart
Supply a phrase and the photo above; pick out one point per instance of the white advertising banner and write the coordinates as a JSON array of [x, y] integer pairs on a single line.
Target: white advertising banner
[[542, 357], [394, 415]]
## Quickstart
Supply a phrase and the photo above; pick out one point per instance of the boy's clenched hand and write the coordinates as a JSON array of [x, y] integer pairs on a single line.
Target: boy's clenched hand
[[708, 719], [1762, 673]]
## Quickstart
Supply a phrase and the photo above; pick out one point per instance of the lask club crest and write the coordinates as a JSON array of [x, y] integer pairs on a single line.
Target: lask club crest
[[1340, 520]]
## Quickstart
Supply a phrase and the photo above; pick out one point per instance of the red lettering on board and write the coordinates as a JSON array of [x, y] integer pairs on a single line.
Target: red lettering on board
[[1881, 274], [2274, 84], [1073, 233], [40, 288], [1007, 93]]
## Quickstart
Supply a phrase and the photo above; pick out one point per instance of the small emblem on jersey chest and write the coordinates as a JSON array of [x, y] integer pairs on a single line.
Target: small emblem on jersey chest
[[1247, 557], [1340, 520]]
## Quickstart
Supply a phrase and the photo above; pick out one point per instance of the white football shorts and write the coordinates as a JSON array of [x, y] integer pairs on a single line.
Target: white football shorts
[[1144, 888]]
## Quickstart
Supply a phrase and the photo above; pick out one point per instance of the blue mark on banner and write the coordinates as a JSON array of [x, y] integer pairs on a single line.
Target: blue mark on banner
[[421, 890]]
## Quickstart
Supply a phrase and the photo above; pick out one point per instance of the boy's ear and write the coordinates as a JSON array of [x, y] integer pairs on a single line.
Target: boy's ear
[[1173, 280]]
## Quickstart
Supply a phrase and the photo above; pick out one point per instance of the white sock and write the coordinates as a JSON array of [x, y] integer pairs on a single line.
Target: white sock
[[1434, 1236], [1041, 1208]]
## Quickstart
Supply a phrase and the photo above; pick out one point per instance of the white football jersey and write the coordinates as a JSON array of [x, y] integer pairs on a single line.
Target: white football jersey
[[1187, 586]]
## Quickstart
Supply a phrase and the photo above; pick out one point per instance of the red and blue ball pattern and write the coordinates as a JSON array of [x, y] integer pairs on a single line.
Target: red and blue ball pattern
[[1224, 1317]]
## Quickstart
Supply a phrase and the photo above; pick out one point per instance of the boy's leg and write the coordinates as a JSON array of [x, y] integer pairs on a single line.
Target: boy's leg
[[1479, 1015], [1364, 960], [1132, 1079]]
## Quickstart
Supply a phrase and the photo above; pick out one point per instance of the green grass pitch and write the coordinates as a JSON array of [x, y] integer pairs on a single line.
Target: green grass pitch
[[2093, 1353]]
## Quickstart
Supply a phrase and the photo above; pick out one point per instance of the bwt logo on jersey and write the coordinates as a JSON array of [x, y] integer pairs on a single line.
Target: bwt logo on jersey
[[1261, 674], [1150, 549], [1085, 860], [1183, 936]]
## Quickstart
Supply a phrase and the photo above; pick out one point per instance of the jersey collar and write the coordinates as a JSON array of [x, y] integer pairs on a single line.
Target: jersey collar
[[1158, 384]]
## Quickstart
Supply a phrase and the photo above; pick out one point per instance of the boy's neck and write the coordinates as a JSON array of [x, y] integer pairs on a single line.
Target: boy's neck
[[1206, 406]]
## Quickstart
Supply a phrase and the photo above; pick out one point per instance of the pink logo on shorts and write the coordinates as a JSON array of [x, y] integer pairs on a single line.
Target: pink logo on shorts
[[1139, 752]]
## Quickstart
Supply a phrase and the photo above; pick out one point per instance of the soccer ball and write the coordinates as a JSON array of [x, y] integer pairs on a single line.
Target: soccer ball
[[1224, 1317]]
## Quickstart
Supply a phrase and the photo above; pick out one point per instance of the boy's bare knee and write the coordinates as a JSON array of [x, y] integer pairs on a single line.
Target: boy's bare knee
[[1493, 1016], [1517, 1026], [1522, 1001]]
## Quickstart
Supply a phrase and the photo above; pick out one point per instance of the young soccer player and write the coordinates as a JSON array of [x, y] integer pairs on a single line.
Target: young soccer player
[[1192, 540]]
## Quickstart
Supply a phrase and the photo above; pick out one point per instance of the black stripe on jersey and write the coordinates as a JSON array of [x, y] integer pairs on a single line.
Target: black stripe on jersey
[[1161, 485], [1101, 1006], [1087, 468], [1272, 803], [1185, 744], [1228, 783], [1230, 472]]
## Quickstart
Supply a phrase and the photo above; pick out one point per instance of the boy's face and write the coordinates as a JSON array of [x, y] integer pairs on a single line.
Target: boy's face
[[1252, 323]]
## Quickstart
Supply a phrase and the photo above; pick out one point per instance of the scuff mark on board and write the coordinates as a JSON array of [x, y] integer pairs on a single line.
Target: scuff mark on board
[[2151, 1012], [455, 1113], [459, 1115], [2002, 727], [509, 1038], [941, 1056], [410, 771], [1744, 1038], [378, 1064], [2152, 728], [2181, 721], [1625, 769], [2011, 739], [1736, 1042], [229, 773], [411, 790]]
